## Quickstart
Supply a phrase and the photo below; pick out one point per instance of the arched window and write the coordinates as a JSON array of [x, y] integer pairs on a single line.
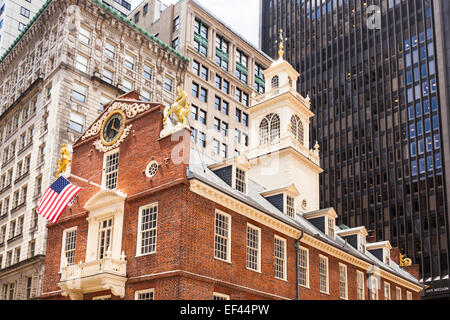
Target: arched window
[[297, 128], [269, 129], [275, 82]]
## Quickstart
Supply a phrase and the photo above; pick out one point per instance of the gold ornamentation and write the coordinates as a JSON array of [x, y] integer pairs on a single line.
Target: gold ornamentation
[[405, 262], [66, 158], [281, 51], [180, 108], [110, 125], [102, 148], [131, 111]]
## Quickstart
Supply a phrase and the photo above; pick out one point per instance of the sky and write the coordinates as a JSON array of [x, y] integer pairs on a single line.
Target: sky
[[242, 16]]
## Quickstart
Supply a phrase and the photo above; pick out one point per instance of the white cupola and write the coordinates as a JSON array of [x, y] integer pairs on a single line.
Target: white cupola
[[279, 136]]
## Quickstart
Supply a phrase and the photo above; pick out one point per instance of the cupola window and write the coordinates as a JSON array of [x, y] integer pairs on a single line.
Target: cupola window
[[269, 129], [297, 128]]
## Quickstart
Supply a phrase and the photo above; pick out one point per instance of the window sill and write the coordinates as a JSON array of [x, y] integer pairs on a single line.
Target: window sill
[[145, 254], [227, 261]]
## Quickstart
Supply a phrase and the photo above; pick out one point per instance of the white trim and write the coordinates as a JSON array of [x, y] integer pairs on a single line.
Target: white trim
[[387, 285], [307, 267], [221, 295], [265, 219], [398, 293], [217, 211], [346, 281], [137, 293], [117, 150], [283, 240], [408, 295], [64, 238], [363, 281], [327, 275], [139, 229], [258, 262]]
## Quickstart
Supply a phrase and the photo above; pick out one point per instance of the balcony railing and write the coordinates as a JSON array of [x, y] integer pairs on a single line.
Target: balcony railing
[[104, 274]]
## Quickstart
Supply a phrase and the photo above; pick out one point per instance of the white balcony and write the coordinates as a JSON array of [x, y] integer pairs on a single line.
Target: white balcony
[[94, 276]]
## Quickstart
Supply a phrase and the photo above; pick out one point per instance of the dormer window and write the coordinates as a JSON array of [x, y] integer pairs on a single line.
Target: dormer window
[[290, 209], [387, 256], [381, 250], [361, 243], [240, 180], [331, 223]]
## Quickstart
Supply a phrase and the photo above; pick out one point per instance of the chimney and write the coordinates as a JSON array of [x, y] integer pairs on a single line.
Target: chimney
[[371, 237], [413, 270], [395, 255]]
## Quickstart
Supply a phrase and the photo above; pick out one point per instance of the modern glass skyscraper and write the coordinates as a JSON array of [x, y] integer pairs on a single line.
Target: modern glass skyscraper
[[377, 74]]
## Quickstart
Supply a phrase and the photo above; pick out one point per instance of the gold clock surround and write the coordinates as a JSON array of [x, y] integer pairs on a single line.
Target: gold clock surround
[[105, 122]]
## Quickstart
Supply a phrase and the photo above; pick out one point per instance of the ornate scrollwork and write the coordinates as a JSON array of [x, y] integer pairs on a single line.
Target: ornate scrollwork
[[131, 111], [102, 148]]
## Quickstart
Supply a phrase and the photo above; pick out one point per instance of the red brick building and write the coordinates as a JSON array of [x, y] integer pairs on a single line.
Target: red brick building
[[169, 223]]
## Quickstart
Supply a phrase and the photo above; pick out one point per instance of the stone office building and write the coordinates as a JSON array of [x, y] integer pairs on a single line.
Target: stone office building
[[75, 57], [225, 71], [159, 224]]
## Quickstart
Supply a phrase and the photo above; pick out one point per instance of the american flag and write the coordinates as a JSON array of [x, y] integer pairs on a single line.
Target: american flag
[[56, 198]]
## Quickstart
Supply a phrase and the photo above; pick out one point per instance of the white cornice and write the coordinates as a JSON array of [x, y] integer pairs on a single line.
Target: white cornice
[[223, 199]]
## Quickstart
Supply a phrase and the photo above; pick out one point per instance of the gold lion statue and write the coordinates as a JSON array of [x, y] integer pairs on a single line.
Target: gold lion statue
[[66, 158], [405, 262], [181, 108]]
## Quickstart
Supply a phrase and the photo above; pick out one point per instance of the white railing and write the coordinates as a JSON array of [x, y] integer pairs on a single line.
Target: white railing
[[107, 264], [279, 91]]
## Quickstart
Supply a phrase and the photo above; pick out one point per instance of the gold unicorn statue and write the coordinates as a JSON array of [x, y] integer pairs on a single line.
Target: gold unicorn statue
[[66, 158], [181, 108]]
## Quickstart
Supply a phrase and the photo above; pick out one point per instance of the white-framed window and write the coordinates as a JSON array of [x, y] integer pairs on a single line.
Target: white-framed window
[[129, 61], [108, 76], [127, 84], [220, 296], [374, 288], [303, 267], [110, 169], [84, 35], [241, 180], [105, 234], [148, 218], [408, 295], [79, 92], [76, 122], [280, 258], [222, 236], [290, 209], [110, 50], [297, 129], [323, 272], [360, 280], [387, 291], [168, 84], [269, 129], [361, 243], [398, 293], [145, 95], [253, 248], [81, 63], [148, 294], [147, 72], [69, 245], [331, 223], [343, 285]]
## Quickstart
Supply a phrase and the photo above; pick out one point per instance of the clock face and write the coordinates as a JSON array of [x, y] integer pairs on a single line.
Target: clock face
[[113, 128]]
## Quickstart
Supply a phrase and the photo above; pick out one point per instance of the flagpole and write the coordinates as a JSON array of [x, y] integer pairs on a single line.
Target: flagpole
[[85, 180]]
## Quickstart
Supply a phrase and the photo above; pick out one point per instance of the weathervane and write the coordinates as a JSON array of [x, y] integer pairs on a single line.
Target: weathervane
[[281, 51]]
